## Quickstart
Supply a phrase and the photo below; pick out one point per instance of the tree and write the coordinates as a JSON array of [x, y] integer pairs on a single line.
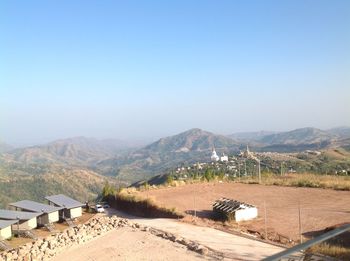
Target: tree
[[169, 179], [208, 175], [108, 190]]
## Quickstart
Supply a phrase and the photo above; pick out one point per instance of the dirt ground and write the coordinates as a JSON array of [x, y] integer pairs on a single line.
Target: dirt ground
[[319, 208], [126, 244]]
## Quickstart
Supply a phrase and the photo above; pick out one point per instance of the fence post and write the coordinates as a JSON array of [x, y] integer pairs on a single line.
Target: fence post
[[300, 228], [265, 219]]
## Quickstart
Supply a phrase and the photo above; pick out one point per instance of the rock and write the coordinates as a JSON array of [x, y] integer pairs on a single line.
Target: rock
[[146, 229], [70, 232], [203, 250], [8, 256]]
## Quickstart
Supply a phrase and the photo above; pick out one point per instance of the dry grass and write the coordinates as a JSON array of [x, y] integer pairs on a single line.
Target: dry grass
[[133, 200], [303, 180], [15, 242], [340, 252], [308, 180]]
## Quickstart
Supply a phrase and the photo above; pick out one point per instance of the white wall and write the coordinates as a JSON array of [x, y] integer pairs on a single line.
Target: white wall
[[6, 233], [53, 217], [246, 214], [26, 225], [75, 212]]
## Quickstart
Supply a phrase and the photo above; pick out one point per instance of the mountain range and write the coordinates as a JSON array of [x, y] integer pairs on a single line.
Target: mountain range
[[116, 161]]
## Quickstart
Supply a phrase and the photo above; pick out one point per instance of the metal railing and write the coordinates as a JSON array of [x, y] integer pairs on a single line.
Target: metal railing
[[307, 244]]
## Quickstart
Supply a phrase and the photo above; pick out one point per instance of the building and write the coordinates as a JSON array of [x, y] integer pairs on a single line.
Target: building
[[24, 220], [71, 207], [236, 210], [214, 156], [224, 158], [49, 213], [6, 229]]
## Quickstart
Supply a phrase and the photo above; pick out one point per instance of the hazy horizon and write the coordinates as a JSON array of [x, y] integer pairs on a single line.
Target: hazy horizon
[[142, 141], [151, 69]]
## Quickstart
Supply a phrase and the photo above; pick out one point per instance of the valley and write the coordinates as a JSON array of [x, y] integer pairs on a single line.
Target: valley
[[81, 166]]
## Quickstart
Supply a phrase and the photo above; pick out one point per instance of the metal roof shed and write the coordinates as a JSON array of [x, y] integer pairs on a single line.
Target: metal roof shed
[[72, 207], [26, 220], [233, 209], [6, 229], [49, 213]]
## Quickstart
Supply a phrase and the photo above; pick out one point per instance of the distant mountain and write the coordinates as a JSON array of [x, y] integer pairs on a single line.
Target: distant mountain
[[75, 151], [4, 147], [298, 137], [251, 136], [191, 140], [190, 146], [295, 140], [101, 160], [341, 132]]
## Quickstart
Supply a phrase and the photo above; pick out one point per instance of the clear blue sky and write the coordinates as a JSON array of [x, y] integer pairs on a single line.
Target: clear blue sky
[[145, 69]]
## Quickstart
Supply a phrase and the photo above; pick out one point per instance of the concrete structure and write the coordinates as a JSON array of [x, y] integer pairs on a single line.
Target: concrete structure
[[6, 229], [236, 210], [49, 213], [71, 207], [214, 156], [224, 158], [24, 220]]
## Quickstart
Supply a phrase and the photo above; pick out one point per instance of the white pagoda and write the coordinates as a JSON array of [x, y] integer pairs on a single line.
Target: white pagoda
[[214, 156]]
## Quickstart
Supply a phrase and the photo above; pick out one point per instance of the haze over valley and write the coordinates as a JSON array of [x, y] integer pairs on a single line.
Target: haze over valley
[[80, 166]]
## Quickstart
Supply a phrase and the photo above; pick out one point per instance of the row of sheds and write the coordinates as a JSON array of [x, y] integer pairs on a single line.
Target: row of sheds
[[26, 214]]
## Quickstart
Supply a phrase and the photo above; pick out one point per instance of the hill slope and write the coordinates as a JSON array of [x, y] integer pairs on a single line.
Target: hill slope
[[74, 151], [81, 184], [298, 137], [187, 147]]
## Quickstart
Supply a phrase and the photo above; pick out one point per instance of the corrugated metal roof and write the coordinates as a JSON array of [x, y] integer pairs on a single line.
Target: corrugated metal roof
[[6, 223], [64, 201], [14, 215], [33, 206]]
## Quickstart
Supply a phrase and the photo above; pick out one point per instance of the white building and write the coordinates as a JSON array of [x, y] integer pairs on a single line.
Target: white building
[[224, 158], [24, 220], [49, 214], [6, 228], [71, 207], [214, 156]]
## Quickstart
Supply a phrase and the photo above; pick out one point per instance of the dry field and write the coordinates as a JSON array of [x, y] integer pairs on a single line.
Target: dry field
[[319, 208]]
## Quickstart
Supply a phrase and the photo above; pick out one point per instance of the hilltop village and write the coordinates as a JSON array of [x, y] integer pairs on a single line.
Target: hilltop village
[[248, 163]]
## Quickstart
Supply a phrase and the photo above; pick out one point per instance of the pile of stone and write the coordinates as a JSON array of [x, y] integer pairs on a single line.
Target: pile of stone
[[191, 245], [44, 249]]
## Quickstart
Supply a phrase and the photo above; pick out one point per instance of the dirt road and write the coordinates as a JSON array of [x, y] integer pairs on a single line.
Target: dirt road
[[231, 246], [126, 244]]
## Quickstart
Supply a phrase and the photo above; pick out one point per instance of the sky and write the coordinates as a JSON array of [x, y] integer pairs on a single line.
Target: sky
[[147, 69]]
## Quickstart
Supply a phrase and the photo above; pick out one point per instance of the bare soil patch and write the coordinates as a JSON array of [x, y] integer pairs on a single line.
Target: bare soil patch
[[319, 208], [128, 244]]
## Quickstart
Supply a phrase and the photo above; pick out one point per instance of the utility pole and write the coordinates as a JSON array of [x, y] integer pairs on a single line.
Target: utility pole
[[281, 169], [245, 167], [259, 171], [265, 220], [239, 171], [194, 201], [300, 228]]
